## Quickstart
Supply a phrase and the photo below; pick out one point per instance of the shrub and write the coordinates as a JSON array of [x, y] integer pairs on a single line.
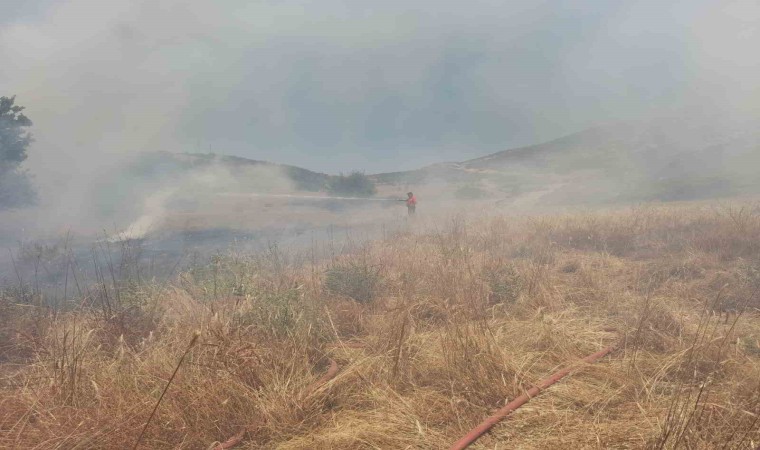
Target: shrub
[[504, 283], [355, 279], [276, 313], [355, 183]]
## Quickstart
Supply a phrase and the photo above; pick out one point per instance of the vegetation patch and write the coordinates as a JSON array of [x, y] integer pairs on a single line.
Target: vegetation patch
[[355, 184], [298, 353], [356, 279]]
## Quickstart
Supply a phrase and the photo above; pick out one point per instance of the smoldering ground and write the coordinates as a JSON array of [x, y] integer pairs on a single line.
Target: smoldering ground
[[155, 218]]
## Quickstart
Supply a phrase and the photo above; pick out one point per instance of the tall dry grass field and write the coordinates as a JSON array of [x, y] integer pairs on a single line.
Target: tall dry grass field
[[430, 331]]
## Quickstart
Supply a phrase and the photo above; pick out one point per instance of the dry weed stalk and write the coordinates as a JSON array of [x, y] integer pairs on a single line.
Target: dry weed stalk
[[190, 346]]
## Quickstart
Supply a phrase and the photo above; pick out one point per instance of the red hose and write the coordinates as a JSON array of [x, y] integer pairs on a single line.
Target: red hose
[[231, 442], [329, 375], [501, 414]]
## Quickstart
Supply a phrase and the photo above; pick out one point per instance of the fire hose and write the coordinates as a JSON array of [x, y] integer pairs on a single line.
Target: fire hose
[[329, 375], [510, 407], [476, 432]]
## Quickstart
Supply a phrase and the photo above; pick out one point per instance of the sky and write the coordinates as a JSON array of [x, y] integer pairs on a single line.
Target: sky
[[341, 85]]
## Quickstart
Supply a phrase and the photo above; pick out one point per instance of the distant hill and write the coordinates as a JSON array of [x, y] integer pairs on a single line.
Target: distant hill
[[654, 160], [648, 160], [162, 163]]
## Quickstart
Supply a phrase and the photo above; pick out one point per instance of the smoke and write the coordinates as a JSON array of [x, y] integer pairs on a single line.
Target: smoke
[[154, 210], [340, 86], [382, 87], [197, 191], [133, 196]]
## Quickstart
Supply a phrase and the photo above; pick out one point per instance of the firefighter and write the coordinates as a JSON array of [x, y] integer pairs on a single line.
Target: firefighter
[[411, 203]]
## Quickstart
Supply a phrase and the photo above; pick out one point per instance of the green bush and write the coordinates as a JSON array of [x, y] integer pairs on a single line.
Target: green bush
[[504, 283], [355, 279], [277, 314], [356, 183]]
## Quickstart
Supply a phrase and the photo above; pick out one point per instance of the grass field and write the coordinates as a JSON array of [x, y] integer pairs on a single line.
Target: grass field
[[431, 329]]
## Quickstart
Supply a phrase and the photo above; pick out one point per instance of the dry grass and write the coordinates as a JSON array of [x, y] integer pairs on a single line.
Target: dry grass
[[448, 326]]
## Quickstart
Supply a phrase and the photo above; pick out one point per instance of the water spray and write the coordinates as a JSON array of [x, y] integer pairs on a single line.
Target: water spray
[[307, 197]]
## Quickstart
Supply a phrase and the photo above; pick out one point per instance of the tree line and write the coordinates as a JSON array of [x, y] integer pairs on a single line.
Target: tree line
[[16, 187]]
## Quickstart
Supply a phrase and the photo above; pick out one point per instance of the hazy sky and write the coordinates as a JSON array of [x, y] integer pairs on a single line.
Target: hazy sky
[[338, 85]]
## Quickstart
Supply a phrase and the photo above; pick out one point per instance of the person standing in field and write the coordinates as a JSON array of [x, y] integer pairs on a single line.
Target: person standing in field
[[411, 203]]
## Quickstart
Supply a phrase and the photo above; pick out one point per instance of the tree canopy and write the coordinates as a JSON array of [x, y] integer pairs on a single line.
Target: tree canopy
[[356, 183], [15, 186]]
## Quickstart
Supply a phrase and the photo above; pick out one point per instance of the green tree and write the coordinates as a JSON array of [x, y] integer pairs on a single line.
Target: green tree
[[356, 183], [15, 187]]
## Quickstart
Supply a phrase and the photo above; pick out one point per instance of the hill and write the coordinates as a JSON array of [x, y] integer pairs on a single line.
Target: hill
[[654, 160], [623, 162], [165, 163]]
